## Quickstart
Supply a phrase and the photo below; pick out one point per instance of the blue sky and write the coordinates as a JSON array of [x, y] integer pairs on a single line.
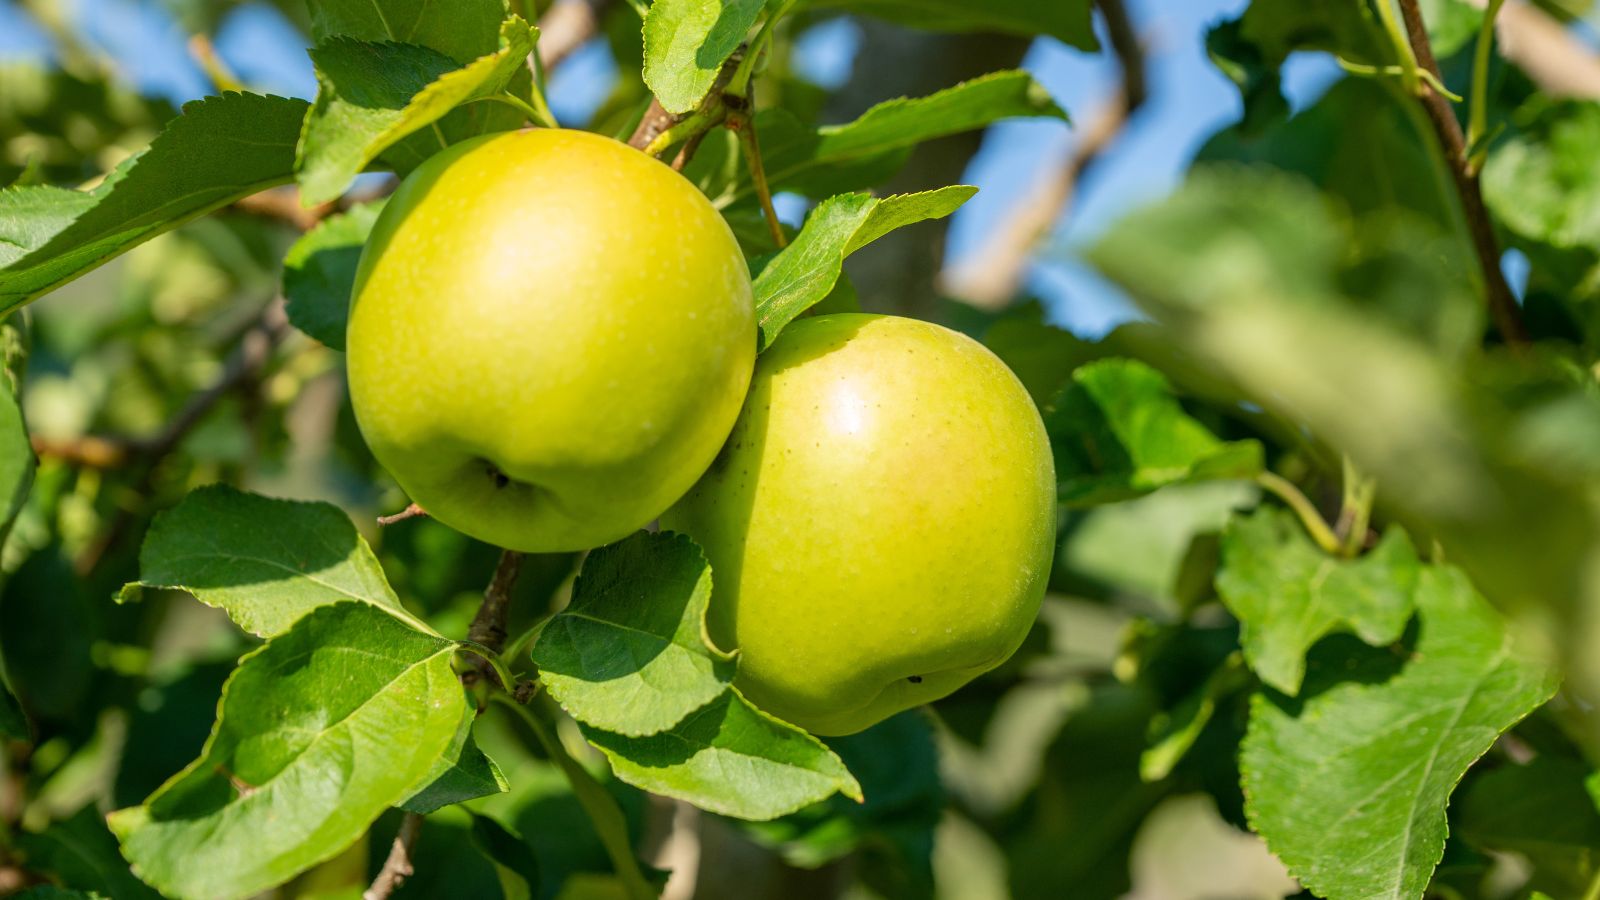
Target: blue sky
[[1189, 100]]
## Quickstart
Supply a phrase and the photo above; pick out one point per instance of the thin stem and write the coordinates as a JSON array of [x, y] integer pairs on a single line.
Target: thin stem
[[1355, 512], [1478, 115], [411, 511], [397, 868], [745, 127], [534, 113], [1315, 525], [681, 130], [493, 659], [739, 83], [524, 641], [1402, 47], [597, 803]]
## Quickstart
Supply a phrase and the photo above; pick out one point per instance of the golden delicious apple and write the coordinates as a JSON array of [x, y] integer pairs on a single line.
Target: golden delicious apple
[[881, 523], [550, 337]]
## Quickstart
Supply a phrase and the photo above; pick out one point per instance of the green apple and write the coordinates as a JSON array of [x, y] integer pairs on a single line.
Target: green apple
[[880, 525], [550, 337]]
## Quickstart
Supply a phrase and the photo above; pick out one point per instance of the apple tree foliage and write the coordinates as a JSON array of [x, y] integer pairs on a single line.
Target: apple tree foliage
[[1330, 526]]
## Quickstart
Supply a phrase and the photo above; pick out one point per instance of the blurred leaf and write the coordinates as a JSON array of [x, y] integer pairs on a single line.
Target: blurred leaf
[[1042, 355], [471, 775], [13, 721], [309, 747], [1543, 181], [319, 272], [48, 628], [1452, 24], [805, 272], [730, 758], [1117, 432], [686, 43], [461, 29], [1173, 732], [897, 765], [220, 149], [1350, 30], [1065, 20], [265, 562], [79, 852], [371, 95], [51, 892], [630, 654], [1541, 811], [1349, 784], [17, 462], [168, 729], [511, 856], [834, 159], [1288, 594]]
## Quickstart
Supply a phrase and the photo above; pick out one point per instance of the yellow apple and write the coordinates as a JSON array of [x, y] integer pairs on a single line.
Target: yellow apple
[[549, 339], [881, 523]]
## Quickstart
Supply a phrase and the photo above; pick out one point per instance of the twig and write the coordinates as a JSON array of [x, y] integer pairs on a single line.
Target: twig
[[283, 204], [1503, 309], [993, 275], [566, 26], [244, 366], [411, 511], [656, 120], [1557, 60], [488, 627], [397, 868]]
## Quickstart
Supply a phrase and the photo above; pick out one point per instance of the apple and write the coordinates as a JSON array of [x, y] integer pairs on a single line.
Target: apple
[[880, 525], [550, 337]]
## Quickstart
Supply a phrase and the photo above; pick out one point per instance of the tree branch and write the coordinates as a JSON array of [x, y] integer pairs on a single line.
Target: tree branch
[[488, 627], [1503, 309], [993, 275], [1555, 58], [397, 868]]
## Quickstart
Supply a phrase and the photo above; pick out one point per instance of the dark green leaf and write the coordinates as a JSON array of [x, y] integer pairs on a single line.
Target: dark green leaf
[[333, 721], [1543, 182], [1117, 432], [17, 462], [1349, 785], [265, 562], [319, 273], [630, 654], [220, 149], [686, 42], [472, 775], [510, 854], [80, 853], [461, 29], [1287, 594], [730, 758], [372, 95], [805, 272], [1541, 811]]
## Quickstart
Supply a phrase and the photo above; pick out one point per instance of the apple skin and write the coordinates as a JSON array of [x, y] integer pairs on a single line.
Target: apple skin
[[884, 511], [550, 337]]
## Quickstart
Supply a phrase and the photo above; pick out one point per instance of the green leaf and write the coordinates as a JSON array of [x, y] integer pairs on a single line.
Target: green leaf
[[220, 149], [1118, 432], [461, 29], [1287, 594], [319, 272], [471, 775], [318, 732], [856, 155], [264, 562], [1349, 786], [13, 721], [1066, 20], [805, 272], [1541, 811], [17, 462], [1173, 732], [730, 758], [630, 654], [687, 41], [371, 95], [1543, 182]]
